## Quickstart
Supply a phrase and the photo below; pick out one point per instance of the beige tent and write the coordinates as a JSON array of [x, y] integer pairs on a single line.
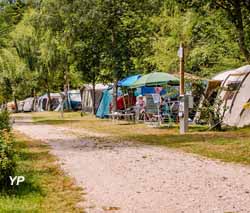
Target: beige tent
[[88, 96], [233, 88], [235, 94]]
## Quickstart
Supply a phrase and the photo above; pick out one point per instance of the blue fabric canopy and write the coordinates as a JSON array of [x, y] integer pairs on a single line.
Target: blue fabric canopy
[[126, 82], [103, 109]]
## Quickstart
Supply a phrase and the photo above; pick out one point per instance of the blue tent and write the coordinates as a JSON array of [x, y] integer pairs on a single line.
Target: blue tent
[[103, 109], [126, 82]]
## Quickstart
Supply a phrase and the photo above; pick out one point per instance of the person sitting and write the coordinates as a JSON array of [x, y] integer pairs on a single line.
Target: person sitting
[[140, 105]]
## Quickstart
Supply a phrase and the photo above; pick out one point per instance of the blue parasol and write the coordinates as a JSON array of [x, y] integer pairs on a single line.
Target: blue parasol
[[126, 82]]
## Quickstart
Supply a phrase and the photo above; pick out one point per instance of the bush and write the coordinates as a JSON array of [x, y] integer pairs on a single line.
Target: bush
[[5, 121], [7, 162]]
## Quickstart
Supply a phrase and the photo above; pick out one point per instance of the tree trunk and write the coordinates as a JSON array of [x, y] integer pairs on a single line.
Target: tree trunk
[[94, 97], [81, 92], [66, 92], [240, 29], [234, 11], [49, 100], [62, 105], [16, 105], [115, 70], [115, 87]]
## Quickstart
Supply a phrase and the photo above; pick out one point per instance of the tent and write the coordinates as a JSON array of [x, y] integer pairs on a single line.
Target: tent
[[234, 92], [74, 97], [28, 104], [20, 105], [88, 96], [43, 102], [104, 106]]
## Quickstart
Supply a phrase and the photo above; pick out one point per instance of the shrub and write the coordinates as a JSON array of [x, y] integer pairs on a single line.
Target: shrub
[[5, 121], [7, 162]]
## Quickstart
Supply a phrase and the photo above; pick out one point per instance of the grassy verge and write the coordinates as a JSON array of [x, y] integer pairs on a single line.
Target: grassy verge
[[232, 145], [46, 188]]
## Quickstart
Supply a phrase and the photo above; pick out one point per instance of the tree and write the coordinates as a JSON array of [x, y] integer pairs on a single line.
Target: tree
[[207, 35], [126, 25], [56, 19], [12, 76], [236, 12], [12, 70], [88, 48]]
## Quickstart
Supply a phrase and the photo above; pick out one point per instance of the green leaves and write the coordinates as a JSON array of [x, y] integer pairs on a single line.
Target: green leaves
[[55, 42], [210, 42]]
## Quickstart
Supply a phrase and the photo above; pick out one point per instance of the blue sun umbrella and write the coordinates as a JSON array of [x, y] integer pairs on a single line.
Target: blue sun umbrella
[[127, 82]]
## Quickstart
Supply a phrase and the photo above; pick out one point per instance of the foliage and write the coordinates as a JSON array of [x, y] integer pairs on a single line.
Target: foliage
[[234, 12], [208, 37], [7, 162], [60, 43], [46, 188], [213, 110], [5, 121]]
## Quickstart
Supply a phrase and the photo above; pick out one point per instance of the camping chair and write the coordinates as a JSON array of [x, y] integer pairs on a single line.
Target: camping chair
[[166, 114], [152, 111]]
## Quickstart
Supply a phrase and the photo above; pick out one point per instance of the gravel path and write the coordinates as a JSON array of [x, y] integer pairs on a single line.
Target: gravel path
[[132, 178]]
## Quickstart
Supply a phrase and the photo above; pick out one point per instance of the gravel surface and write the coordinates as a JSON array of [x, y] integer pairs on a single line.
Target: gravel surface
[[133, 178]]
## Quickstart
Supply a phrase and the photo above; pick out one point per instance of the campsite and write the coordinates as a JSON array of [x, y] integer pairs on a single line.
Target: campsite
[[125, 106]]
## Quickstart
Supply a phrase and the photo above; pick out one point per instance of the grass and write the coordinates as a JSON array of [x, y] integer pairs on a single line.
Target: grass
[[46, 188], [231, 145]]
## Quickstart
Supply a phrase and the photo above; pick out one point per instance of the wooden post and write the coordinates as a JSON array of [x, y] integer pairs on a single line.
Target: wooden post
[[181, 55], [183, 107]]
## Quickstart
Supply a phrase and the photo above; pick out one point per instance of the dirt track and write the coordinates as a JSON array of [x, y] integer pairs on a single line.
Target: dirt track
[[132, 178]]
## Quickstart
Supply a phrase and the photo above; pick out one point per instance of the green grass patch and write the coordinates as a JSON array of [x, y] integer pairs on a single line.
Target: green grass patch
[[230, 145], [46, 188]]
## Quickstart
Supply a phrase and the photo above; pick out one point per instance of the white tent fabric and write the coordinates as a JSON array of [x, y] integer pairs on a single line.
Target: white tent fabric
[[28, 105], [235, 94], [42, 104], [87, 96], [223, 75]]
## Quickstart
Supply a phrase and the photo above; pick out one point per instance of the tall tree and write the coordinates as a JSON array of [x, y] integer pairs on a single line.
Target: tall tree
[[126, 22], [236, 12], [207, 35]]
